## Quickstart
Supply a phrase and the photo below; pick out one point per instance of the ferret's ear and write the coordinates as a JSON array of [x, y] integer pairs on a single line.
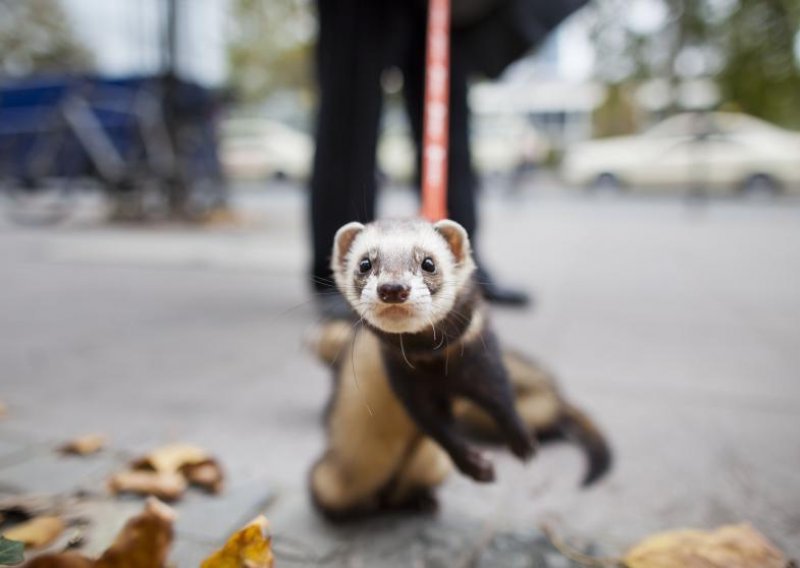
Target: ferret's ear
[[342, 242], [456, 237]]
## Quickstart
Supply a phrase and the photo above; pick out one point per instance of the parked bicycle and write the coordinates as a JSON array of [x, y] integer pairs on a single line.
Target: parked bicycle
[[148, 143]]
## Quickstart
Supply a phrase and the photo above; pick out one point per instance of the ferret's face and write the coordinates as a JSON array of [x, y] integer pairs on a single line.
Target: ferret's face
[[402, 276]]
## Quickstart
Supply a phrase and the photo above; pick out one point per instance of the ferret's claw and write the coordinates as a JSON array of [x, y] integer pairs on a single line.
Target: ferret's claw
[[524, 447], [477, 467]]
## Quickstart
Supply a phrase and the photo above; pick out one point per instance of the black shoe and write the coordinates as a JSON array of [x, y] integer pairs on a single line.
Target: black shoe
[[498, 294]]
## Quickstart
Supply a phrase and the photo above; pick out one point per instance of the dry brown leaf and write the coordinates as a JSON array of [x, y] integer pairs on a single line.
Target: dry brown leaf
[[247, 548], [168, 486], [68, 559], [171, 458], [206, 475], [730, 546], [194, 463], [144, 540], [84, 445], [37, 532]]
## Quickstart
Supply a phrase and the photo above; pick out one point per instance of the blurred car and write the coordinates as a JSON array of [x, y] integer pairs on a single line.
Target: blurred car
[[259, 148], [500, 145], [504, 144], [715, 150]]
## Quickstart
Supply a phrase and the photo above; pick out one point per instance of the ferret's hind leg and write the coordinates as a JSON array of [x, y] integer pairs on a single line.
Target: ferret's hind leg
[[536, 399], [342, 490], [369, 435], [426, 468]]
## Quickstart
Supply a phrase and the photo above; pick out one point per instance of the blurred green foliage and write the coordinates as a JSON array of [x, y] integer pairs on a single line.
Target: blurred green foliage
[[270, 47], [36, 36], [761, 74], [749, 48]]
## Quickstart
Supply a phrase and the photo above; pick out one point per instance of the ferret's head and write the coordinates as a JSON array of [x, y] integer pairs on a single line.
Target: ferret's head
[[402, 276]]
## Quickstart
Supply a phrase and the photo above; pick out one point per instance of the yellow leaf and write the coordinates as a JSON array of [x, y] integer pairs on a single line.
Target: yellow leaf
[[731, 546], [36, 533], [248, 548], [84, 445], [171, 458]]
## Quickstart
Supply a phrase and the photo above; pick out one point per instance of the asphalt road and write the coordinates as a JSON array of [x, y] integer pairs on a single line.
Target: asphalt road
[[675, 324]]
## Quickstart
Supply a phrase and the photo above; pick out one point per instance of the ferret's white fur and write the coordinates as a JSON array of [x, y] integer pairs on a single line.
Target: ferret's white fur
[[446, 242]]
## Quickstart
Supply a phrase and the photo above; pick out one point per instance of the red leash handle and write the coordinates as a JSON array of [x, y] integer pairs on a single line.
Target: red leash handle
[[437, 107]]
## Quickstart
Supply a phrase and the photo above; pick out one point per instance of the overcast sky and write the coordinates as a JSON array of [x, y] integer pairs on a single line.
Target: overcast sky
[[124, 36]]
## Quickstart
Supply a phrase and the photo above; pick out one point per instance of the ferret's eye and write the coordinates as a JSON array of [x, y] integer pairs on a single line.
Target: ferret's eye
[[365, 265], [428, 265]]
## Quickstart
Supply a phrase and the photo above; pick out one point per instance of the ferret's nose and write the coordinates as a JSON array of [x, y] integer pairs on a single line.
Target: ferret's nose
[[393, 293]]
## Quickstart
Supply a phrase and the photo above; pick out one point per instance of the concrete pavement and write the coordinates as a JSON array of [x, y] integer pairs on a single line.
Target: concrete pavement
[[675, 325]]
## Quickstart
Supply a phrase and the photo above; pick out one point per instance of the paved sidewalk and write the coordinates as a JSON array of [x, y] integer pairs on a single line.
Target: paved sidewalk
[[676, 326]]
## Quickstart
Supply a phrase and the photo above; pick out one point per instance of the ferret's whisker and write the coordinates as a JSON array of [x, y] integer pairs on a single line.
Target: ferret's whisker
[[355, 375], [403, 351]]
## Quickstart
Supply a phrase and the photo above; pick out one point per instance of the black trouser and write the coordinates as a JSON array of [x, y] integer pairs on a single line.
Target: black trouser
[[358, 39]]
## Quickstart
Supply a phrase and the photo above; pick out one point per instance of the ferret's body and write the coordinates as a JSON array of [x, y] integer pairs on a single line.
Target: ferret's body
[[425, 359]]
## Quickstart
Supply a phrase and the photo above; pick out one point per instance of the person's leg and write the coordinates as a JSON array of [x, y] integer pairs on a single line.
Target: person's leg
[[350, 58]]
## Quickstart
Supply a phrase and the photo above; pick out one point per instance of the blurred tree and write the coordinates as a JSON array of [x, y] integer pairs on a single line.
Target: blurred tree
[[35, 36], [617, 115], [761, 73], [748, 47], [270, 48]]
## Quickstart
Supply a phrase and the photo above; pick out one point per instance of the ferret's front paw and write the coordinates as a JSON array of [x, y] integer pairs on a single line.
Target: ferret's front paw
[[523, 446], [476, 466]]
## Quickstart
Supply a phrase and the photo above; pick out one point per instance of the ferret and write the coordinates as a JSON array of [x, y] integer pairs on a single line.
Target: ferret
[[426, 372]]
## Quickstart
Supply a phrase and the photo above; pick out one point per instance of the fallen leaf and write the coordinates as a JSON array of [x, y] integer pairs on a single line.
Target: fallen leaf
[[69, 559], [206, 475], [730, 546], [168, 486], [144, 540], [171, 458], [37, 532], [247, 548], [11, 552], [3, 410], [84, 445], [194, 463]]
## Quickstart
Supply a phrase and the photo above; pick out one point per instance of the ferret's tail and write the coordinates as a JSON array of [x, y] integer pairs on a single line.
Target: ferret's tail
[[576, 426], [328, 340]]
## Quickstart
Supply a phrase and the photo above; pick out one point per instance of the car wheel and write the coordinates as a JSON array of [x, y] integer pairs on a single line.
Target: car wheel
[[760, 185], [606, 183]]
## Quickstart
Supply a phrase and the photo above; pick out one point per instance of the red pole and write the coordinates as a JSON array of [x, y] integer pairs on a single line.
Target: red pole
[[437, 108]]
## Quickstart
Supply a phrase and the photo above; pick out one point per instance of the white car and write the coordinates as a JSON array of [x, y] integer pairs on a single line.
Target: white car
[[259, 148], [499, 145], [716, 151]]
